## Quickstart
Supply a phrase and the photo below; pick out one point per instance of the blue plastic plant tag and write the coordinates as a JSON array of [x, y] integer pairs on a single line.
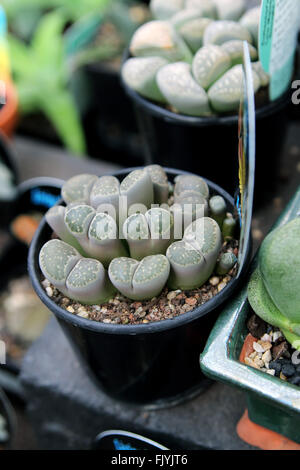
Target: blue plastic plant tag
[[279, 24], [247, 139], [124, 440]]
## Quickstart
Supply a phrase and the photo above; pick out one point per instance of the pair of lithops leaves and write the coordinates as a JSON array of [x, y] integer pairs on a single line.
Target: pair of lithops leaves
[[192, 62], [273, 291], [143, 186]]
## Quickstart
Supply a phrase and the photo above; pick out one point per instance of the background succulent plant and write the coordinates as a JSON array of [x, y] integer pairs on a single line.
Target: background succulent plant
[[187, 56], [98, 254], [273, 291]]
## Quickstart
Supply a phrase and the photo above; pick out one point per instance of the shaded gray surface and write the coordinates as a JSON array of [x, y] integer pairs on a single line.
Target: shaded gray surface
[[35, 159], [68, 411]]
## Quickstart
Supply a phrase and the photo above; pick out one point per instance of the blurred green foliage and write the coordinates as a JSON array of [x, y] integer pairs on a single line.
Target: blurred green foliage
[[50, 39], [40, 73]]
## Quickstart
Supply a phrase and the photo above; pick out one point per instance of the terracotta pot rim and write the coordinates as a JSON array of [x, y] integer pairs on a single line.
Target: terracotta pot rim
[[9, 112]]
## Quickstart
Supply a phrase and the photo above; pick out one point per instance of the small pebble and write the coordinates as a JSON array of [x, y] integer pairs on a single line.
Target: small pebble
[[171, 295], [258, 347], [282, 376], [271, 372], [49, 291], [267, 357], [276, 365], [214, 281], [266, 338], [70, 309], [221, 286], [277, 335]]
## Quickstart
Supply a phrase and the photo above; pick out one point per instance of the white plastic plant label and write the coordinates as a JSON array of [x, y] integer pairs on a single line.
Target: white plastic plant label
[[246, 152], [279, 25]]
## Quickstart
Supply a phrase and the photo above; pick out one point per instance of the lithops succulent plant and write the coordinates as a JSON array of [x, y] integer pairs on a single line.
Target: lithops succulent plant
[[160, 183], [159, 38], [219, 32], [191, 195], [207, 8], [225, 263], [78, 188], [140, 280], [146, 186], [56, 219], [230, 9], [82, 279], [164, 9], [226, 93], [139, 73], [190, 184], [149, 234], [194, 258], [97, 233], [235, 50], [209, 35], [218, 209], [182, 91], [250, 20], [193, 31], [273, 290], [209, 64]]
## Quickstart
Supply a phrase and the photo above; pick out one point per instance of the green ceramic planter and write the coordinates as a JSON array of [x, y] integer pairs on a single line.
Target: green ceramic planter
[[272, 403]]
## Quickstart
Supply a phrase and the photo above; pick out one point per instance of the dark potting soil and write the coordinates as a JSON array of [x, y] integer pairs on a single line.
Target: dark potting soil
[[169, 304], [271, 353]]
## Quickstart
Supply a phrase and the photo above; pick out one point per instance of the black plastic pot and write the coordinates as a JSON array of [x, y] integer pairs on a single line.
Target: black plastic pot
[[154, 364], [109, 119], [7, 208], [209, 145]]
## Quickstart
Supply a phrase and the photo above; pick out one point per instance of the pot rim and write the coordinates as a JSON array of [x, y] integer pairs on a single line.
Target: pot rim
[[218, 361], [9, 112], [159, 111], [154, 327]]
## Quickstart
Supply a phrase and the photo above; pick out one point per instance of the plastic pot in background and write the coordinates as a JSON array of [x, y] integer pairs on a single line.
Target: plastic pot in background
[[109, 119], [152, 365], [272, 403], [9, 178], [209, 145]]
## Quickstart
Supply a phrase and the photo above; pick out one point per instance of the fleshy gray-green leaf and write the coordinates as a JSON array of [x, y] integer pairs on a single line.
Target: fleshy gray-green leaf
[[226, 93], [219, 32], [181, 90], [160, 183], [56, 260], [139, 73], [209, 64], [194, 258], [235, 49], [159, 38], [78, 188], [164, 9], [230, 9], [140, 280], [250, 20]]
